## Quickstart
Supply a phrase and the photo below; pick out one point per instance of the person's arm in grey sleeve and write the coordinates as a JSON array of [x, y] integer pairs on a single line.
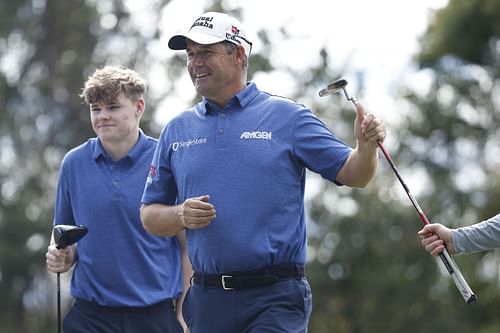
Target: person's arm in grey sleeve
[[483, 236]]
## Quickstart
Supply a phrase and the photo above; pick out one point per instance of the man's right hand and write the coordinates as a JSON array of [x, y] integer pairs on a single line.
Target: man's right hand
[[197, 212], [59, 260]]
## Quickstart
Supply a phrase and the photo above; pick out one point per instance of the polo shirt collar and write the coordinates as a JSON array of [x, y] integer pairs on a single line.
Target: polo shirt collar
[[243, 97], [246, 95], [98, 151], [133, 153]]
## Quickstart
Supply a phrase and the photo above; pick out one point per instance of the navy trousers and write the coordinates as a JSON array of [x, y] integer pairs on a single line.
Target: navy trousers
[[284, 307], [88, 317]]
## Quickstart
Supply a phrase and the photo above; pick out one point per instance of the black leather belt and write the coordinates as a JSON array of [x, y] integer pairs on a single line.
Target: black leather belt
[[251, 279]]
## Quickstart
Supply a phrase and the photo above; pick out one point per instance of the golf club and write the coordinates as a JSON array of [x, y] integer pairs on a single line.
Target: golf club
[[448, 262], [64, 236]]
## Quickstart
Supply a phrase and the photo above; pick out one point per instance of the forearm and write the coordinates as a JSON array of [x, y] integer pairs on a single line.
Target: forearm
[[483, 236], [162, 220], [359, 168], [187, 272]]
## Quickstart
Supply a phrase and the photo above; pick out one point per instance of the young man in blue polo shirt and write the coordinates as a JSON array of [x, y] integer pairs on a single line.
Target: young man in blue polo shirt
[[125, 279], [231, 171]]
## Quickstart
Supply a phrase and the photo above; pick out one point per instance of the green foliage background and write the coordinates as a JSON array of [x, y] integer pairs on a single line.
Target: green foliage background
[[367, 268]]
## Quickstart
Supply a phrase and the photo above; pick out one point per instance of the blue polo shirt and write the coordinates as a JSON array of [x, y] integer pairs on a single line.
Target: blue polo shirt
[[251, 158], [119, 262]]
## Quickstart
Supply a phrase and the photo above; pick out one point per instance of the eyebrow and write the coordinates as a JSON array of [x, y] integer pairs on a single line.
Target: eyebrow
[[98, 106], [202, 47]]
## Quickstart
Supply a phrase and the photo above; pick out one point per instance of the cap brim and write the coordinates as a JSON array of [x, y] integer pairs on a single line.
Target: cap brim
[[178, 42]]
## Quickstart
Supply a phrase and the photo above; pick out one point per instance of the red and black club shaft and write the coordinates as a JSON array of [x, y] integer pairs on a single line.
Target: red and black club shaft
[[452, 268]]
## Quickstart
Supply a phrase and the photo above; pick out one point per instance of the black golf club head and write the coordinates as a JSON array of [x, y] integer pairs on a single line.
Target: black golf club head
[[334, 87], [66, 235]]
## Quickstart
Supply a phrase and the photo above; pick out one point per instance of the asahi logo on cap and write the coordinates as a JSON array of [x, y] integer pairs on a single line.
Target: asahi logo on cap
[[204, 21]]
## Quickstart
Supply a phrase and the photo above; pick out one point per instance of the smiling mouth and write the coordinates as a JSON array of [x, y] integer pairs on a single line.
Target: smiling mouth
[[201, 75]]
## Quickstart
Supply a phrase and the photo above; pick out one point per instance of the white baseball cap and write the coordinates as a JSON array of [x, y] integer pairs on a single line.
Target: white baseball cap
[[211, 28]]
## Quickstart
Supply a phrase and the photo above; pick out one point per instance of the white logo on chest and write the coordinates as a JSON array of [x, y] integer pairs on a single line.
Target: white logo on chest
[[257, 135]]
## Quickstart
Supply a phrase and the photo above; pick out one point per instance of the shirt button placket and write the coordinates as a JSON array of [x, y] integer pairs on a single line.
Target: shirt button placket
[[114, 181], [221, 125]]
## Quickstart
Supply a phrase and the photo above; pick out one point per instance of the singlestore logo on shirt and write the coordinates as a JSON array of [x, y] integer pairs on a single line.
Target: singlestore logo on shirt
[[186, 144]]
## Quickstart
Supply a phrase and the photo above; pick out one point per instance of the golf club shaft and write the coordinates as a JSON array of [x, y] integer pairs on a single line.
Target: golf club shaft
[[64, 236], [448, 262], [58, 302], [452, 268]]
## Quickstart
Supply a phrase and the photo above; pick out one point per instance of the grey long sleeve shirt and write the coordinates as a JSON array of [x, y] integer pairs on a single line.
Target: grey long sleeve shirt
[[482, 236]]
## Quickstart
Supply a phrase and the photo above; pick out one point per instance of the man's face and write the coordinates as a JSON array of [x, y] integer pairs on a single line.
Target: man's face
[[116, 121], [213, 70]]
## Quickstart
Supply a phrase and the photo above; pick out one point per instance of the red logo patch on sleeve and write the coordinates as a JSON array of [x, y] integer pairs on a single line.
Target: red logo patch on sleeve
[[152, 171]]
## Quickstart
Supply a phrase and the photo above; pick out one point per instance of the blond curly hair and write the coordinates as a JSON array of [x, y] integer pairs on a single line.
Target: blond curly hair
[[107, 83]]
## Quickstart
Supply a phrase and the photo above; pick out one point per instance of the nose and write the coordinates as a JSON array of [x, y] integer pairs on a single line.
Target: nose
[[101, 115], [196, 59], [104, 114]]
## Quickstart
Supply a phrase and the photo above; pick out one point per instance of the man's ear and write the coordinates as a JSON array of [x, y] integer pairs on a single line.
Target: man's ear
[[240, 53], [140, 106]]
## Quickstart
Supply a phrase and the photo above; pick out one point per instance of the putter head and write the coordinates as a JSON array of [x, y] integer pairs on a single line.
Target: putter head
[[333, 87], [66, 235]]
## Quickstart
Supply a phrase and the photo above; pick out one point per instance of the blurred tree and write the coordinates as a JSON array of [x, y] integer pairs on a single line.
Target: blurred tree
[[456, 118], [43, 53], [369, 272], [47, 50], [466, 29]]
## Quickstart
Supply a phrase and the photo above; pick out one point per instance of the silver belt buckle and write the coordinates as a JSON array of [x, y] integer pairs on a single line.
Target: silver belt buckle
[[223, 282]]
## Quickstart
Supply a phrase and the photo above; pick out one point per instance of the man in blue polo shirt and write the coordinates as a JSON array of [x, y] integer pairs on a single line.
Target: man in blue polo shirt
[[125, 279], [231, 172]]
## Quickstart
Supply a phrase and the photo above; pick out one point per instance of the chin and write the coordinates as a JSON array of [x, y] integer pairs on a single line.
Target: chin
[[205, 90]]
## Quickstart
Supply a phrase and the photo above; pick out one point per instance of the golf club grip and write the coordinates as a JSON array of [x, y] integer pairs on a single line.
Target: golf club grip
[[462, 285], [452, 268]]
